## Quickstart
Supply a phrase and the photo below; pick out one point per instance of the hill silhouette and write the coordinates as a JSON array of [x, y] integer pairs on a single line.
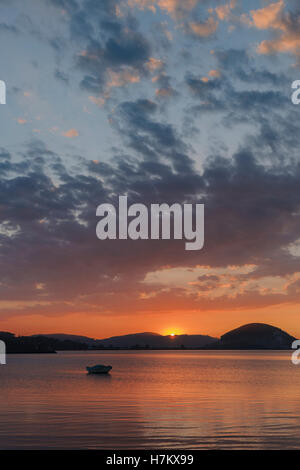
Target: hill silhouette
[[141, 340], [255, 336], [250, 336], [37, 344]]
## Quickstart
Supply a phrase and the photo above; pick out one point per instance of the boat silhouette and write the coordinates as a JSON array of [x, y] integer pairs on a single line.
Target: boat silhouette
[[99, 369]]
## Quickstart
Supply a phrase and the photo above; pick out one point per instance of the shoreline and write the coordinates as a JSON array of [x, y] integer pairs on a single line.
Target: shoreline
[[146, 349]]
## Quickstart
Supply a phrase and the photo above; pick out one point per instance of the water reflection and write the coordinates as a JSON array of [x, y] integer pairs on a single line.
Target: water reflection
[[186, 399]]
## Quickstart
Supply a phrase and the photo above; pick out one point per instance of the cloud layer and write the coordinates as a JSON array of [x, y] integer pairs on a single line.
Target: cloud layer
[[163, 101]]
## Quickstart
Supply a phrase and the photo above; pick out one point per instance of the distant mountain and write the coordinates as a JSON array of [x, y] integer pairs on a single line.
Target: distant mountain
[[139, 340], [251, 336], [38, 344], [74, 338], [154, 340], [149, 339], [254, 336], [26, 344], [191, 341]]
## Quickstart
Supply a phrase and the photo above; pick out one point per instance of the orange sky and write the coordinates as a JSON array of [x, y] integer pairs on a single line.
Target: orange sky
[[139, 114], [211, 323]]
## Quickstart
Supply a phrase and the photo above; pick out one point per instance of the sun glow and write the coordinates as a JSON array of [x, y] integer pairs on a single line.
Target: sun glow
[[172, 332]]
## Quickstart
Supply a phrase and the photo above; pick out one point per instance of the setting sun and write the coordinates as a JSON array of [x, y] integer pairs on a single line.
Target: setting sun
[[175, 331]]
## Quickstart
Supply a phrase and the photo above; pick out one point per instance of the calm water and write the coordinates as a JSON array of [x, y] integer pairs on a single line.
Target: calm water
[[184, 399]]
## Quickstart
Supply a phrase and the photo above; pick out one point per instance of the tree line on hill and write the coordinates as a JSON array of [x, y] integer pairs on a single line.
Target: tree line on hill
[[37, 344]]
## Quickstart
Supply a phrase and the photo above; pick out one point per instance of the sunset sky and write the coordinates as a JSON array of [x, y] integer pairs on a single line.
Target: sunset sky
[[163, 101]]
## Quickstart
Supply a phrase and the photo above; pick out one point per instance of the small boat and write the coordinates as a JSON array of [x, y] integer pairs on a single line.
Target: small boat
[[99, 369]]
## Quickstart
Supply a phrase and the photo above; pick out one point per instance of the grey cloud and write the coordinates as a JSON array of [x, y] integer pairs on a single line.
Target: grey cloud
[[248, 210]]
